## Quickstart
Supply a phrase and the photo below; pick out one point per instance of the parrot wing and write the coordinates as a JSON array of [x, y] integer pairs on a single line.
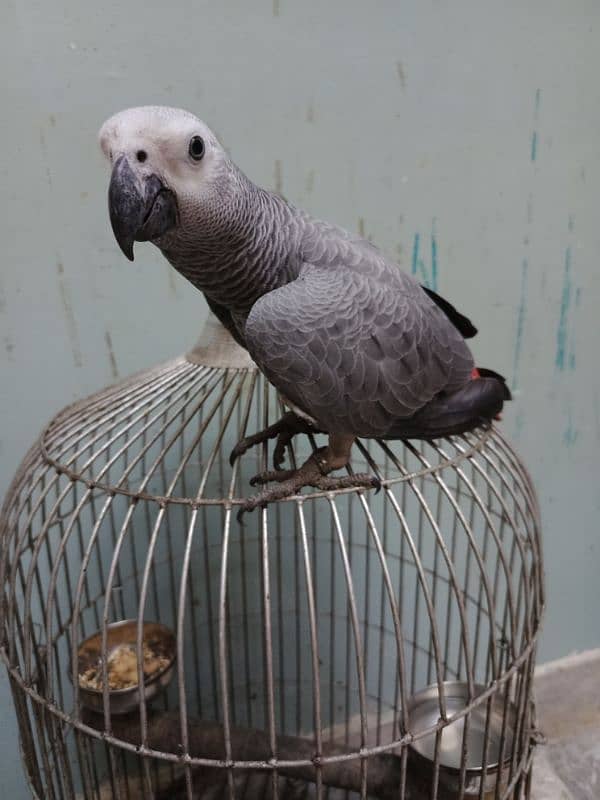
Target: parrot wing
[[356, 350]]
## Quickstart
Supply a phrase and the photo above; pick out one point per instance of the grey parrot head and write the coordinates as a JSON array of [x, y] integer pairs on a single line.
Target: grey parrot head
[[168, 170]]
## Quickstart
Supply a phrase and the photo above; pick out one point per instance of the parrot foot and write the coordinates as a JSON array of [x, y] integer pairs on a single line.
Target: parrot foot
[[312, 473], [284, 430]]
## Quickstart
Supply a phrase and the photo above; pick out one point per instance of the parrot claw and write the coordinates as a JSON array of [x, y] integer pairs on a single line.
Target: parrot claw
[[283, 440], [284, 430], [237, 451], [314, 472], [247, 508]]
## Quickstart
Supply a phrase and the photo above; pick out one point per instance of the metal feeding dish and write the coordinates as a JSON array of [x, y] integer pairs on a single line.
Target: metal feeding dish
[[486, 743], [121, 668]]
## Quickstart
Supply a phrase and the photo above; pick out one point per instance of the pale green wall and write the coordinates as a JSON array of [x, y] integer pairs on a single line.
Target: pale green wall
[[463, 137]]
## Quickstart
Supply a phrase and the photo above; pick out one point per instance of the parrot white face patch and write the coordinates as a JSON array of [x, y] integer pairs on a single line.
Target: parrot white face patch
[[170, 143]]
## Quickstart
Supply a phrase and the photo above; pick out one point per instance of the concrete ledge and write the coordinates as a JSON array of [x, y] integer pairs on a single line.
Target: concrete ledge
[[568, 707]]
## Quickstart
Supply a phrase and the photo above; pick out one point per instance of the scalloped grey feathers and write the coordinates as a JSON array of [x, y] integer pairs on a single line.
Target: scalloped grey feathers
[[355, 343]]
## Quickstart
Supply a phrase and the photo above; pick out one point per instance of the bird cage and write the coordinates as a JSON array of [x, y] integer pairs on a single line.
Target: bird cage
[[332, 645]]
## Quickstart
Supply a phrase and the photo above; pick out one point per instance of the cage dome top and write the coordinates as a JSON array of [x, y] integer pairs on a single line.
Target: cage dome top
[[159, 421]]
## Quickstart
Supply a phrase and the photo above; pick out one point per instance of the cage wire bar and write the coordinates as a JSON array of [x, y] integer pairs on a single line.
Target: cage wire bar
[[303, 637]]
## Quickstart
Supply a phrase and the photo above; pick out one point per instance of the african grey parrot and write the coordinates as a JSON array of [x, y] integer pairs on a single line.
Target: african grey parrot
[[355, 346]]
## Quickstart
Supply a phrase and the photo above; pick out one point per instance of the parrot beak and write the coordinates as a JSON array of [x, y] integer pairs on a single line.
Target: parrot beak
[[140, 210]]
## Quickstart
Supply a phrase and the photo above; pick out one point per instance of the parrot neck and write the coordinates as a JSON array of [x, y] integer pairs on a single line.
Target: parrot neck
[[237, 249]]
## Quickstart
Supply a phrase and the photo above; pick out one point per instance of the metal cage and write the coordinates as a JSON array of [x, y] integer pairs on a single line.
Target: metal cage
[[307, 641]]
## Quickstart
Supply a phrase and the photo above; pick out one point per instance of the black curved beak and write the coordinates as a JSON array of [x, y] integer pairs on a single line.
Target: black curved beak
[[139, 209]]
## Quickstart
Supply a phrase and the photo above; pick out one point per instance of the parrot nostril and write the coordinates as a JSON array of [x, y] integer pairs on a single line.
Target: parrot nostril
[[141, 155]]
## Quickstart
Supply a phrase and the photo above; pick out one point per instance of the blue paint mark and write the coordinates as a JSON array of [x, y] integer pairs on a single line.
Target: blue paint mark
[[434, 264], [571, 433], [521, 313], [418, 266], [415, 254], [533, 145], [565, 302]]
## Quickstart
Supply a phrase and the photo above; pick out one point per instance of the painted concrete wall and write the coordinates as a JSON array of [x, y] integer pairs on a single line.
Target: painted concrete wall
[[462, 137]]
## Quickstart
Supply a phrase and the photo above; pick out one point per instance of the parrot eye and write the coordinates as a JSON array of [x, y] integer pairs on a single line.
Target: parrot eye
[[196, 148]]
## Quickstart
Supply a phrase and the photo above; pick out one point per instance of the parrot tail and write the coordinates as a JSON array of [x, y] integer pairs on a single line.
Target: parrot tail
[[477, 402]]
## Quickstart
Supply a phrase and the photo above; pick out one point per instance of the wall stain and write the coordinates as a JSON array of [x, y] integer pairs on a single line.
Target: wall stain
[[277, 176], [310, 112], [418, 267], [401, 74], [536, 117], [521, 315], [44, 150], [362, 230], [72, 330], [9, 347], [111, 355], [276, 8], [310, 181]]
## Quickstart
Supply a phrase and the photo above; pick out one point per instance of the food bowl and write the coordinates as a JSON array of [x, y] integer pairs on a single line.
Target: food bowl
[[122, 665], [424, 713]]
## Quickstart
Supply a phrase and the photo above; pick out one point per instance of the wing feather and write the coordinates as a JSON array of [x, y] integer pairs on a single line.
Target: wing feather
[[355, 349]]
